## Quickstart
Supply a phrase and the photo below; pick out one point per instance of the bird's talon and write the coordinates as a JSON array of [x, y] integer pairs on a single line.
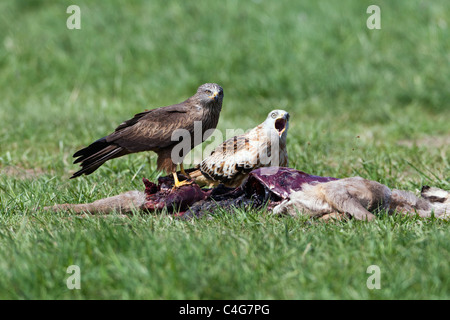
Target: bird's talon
[[182, 183]]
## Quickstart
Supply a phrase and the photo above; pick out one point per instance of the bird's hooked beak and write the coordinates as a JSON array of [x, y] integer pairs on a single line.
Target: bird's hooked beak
[[281, 123], [215, 96]]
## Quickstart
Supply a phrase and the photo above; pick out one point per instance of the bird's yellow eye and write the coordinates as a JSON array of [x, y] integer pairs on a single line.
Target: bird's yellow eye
[[208, 91], [274, 115]]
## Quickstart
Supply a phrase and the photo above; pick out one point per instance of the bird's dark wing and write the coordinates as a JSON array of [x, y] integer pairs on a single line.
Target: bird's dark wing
[[149, 130], [153, 129]]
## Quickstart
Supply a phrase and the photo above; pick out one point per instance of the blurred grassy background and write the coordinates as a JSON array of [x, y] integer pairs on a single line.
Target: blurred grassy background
[[363, 102]]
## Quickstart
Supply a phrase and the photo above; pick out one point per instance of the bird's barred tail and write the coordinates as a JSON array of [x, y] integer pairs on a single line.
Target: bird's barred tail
[[93, 156]]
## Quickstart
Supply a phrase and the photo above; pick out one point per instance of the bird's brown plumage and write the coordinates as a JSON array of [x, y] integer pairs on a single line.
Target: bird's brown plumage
[[262, 146], [152, 131]]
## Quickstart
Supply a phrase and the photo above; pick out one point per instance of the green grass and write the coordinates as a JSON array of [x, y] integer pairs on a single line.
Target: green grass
[[240, 256], [373, 103]]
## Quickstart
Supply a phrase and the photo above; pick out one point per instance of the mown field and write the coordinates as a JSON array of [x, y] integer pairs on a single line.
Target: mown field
[[373, 103]]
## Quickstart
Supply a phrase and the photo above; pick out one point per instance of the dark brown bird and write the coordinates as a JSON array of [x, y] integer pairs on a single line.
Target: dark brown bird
[[152, 131]]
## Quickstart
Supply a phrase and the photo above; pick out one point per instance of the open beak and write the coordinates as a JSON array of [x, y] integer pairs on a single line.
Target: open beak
[[281, 124]]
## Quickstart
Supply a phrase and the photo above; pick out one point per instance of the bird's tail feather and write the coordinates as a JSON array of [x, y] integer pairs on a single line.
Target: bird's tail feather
[[93, 156]]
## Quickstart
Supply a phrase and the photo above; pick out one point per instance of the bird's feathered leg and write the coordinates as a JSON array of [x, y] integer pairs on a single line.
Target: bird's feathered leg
[[164, 163]]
